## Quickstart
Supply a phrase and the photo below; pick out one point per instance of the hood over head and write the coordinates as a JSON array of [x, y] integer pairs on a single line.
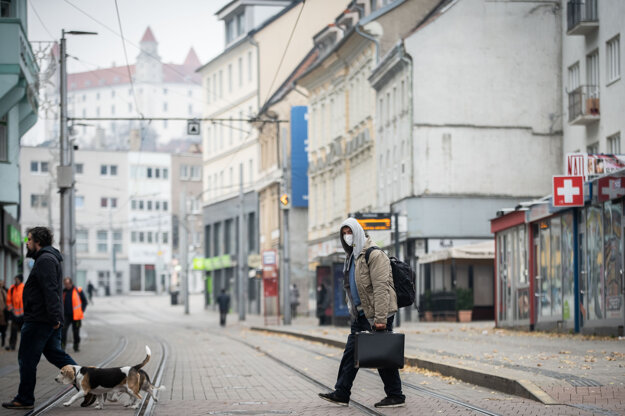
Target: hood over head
[[49, 249], [359, 239]]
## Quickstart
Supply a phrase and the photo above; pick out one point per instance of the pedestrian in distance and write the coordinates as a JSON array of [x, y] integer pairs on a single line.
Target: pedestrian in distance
[[294, 298], [372, 304], [90, 290], [15, 307], [43, 317], [4, 313], [74, 305], [223, 300], [323, 301]]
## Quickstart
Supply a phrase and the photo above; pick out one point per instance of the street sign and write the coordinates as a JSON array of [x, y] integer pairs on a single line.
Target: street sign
[[374, 221], [269, 257], [193, 127], [568, 191], [284, 199], [609, 188]]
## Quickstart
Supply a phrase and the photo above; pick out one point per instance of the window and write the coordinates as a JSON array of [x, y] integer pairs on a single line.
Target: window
[[229, 77], [221, 84], [141, 237], [190, 109], [149, 172], [44, 166], [165, 238], [573, 77], [79, 200], [249, 66], [157, 173], [240, 61], [149, 235], [240, 24], [113, 170], [108, 202], [196, 173], [108, 170], [184, 172], [613, 56], [133, 204], [229, 30], [614, 144], [165, 207], [165, 173], [593, 148], [149, 205], [103, 202], [113, 109], [79, 168], [141, 205], [592, 69], [34, 166], [113, 202], [117, 240], [82, 241], [374, 5], [102, 241], [164, 91], [157, 205], [165, 106], [133, 236], [38, 201], [214, 90]]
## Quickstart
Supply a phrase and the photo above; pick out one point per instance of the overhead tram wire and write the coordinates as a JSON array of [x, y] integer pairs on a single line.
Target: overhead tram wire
[[132, 84], [286, 48], [32, 6]]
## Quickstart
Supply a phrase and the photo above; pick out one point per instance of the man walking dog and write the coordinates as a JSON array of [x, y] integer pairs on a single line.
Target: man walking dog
[[43, 317]]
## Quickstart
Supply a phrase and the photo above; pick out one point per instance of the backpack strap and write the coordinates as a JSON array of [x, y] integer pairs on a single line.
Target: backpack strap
[[368, 252]]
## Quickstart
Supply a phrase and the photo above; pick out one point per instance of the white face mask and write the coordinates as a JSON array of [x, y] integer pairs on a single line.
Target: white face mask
[[349, 239]]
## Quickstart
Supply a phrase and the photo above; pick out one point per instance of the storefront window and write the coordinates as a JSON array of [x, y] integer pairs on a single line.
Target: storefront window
[[555, 292], [567, 267], [544, 277], [594, 292], [612, 219], [522, 287]]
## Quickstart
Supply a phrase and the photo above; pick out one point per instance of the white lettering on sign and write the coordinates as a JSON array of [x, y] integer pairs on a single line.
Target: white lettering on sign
[[613, 190], [568, 191]]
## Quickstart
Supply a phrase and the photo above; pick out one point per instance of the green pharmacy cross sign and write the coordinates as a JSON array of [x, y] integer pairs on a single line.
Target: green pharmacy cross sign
[[14, 235], [212, 263]]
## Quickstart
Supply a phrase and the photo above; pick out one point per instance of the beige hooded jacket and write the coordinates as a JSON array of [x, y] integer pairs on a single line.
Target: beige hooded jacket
[[375, 282]]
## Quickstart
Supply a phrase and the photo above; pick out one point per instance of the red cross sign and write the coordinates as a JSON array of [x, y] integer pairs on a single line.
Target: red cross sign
[[610, 188], [568, 191]]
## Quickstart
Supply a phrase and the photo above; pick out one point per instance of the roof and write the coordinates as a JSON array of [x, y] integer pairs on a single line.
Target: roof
[[477, 251], [192, 60], [148, 36]]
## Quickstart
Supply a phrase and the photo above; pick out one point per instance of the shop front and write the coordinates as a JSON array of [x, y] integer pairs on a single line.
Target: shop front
[[562, 269]]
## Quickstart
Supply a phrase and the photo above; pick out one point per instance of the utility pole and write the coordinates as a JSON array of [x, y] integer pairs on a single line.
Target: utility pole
[[242, 261], [396, 218], [111, 244], [65, 173], [286, 261], [184, 244]]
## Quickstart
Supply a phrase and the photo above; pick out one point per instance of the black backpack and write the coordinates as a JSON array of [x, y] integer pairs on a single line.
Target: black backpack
[[402, 279]]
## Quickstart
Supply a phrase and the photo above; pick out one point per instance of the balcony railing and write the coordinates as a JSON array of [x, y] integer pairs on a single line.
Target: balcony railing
[[581, 17], [584, 105]]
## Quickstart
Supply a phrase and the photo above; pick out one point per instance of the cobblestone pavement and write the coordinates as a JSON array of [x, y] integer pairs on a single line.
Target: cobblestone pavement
[[233, 370]]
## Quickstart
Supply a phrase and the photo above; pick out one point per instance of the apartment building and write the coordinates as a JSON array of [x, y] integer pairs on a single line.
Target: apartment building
[[256, 60], [18, 113], [102, 241]]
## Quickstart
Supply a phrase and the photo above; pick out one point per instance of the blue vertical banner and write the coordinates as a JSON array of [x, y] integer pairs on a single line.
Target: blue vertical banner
[[299, 156]]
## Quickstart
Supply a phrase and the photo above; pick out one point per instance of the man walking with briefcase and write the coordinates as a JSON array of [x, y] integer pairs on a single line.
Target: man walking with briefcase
[[370, 297]]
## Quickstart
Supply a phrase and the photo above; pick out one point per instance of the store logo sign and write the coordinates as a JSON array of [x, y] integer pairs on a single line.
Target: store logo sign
[[568, 191], [610, 188]]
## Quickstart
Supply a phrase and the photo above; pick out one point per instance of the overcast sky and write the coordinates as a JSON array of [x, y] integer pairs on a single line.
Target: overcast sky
[[176, 25]]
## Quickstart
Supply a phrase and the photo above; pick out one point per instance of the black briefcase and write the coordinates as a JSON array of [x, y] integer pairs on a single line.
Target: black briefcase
[[379, 350]]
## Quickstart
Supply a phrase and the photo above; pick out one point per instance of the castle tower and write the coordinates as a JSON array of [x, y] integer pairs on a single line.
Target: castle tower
[[149, 65]]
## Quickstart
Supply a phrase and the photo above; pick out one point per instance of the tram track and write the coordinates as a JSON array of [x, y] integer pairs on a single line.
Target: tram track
[[414, 387]]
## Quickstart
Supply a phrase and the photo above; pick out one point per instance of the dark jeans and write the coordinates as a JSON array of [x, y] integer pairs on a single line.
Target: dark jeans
[[37, 338], [75, 332], [222, 318], [347, 371], [16, 327]]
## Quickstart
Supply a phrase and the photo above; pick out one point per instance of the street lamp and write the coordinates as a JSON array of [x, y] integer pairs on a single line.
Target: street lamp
[[65, 172]]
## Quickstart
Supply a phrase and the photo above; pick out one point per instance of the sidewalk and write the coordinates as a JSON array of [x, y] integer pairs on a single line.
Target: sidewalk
[[551, 368]]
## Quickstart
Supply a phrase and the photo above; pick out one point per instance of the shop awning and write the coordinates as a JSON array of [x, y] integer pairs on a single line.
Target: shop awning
[[477, 251]]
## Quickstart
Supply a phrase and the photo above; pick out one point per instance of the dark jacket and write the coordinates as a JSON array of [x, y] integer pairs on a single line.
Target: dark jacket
[[223, 300], [42, 291]]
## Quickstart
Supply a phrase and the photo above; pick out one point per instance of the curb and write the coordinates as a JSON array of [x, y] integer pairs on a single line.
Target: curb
[[522, 388]]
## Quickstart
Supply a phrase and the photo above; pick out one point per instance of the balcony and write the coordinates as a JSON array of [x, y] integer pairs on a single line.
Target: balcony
[[584, 105], [582, 17]]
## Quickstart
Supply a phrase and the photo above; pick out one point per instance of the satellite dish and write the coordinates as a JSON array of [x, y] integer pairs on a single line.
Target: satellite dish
[[374, 29]]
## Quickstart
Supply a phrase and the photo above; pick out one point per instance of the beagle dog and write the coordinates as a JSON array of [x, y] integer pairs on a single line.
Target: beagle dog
[[146, 386], [100, 381]]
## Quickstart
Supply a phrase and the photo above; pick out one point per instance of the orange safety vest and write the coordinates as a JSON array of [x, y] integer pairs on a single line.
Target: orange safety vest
[[15, 302], [77, 313]]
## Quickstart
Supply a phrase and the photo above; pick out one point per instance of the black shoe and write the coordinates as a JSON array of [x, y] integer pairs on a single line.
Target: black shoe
[[391, 402], [334, 398], [88, 400], [17, 405]]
